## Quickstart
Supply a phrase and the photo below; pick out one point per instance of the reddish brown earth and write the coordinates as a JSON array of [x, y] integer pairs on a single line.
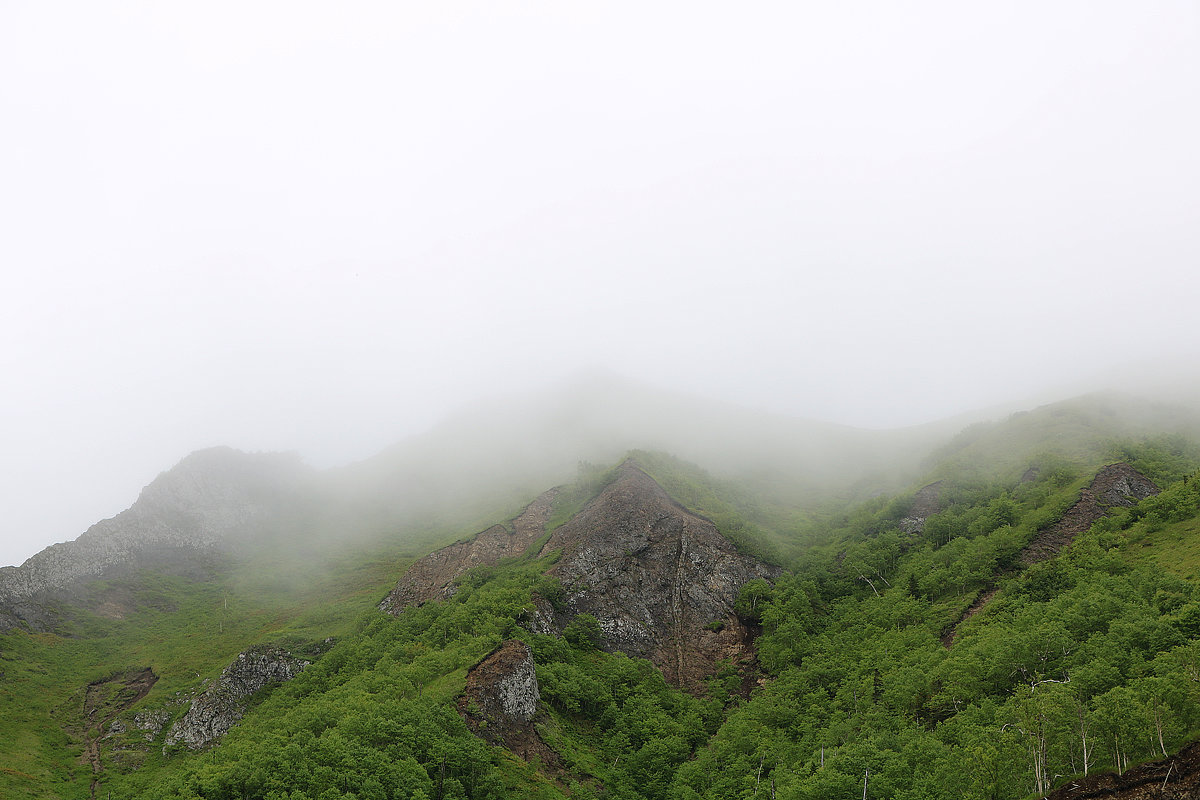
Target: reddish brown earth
[[433, 577], [1174, 778]]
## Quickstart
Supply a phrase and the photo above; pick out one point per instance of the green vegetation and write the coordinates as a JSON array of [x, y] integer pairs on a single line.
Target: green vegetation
[[1089, 661]]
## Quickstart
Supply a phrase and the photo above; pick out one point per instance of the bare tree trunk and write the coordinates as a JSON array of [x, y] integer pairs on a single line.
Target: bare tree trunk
[[1081, 718], [1158, 726]]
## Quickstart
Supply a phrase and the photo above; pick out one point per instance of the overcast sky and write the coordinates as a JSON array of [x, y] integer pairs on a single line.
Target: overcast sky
[[323, 226]]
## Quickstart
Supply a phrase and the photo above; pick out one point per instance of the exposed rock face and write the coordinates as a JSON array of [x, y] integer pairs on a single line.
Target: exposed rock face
[[213, 497], [501, 701], [661, 580], [219, 707], [926, 503], [1117, 485], [433, 577], [151, 723], [504, 685]]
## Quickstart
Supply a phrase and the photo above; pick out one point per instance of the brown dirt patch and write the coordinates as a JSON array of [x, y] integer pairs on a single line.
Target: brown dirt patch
[[985, 594], [103, 701], [1173, 778]]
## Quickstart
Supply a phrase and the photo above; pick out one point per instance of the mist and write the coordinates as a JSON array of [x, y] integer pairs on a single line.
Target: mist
[[283, 228]]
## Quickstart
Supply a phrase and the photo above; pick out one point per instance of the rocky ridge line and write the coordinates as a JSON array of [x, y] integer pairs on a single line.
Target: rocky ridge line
[[205, 501], [1115, 486], [661, 580]]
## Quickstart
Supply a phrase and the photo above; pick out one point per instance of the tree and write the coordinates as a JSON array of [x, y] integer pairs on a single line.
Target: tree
[[584, 632]]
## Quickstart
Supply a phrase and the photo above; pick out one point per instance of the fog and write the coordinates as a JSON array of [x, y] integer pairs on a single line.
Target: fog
[[295, 226]]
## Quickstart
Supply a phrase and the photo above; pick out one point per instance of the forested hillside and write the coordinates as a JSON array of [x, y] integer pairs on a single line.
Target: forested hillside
[[1028, 612]]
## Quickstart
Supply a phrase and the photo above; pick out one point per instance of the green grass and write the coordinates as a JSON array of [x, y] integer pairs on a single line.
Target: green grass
[[1174, 548], [185, 630]]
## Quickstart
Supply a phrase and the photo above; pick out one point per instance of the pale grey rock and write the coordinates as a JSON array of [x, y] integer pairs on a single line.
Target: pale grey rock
[[218, 708], [518, 692], [503, 688], [151, 723], [500, 701], [926, 503], [213, 498]]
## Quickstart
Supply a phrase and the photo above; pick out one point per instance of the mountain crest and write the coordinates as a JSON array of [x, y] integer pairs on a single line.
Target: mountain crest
[[212, 498]]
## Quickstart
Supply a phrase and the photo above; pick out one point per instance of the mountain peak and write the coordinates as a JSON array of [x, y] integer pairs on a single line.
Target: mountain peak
[[212, 498], [660, 579]]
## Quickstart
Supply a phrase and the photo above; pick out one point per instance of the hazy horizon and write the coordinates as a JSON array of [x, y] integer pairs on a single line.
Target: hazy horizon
[[275, 226]]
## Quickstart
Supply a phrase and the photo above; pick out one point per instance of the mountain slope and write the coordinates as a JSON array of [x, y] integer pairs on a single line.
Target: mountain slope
[[609, 594], [660, 582], [213, 501]]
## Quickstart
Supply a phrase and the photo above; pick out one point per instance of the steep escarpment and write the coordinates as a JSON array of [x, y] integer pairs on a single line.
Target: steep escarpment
[[219, 707], [433, 577], [661, 580], [215, 498], [1117, 485]]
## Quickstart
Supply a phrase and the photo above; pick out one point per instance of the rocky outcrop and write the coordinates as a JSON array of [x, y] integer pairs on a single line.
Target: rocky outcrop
[[1115, 486], [661, 580], [926, 503], [501, 700], [213, 498], [220, 707], [503, 687], [151, 723], [433, 577]]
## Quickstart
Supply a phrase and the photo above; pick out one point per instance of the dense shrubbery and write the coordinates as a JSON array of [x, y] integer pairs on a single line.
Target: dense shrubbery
[[1084, 662], [1088, 661]]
